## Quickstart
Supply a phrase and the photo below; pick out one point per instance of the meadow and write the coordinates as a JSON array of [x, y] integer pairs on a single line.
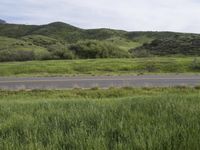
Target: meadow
[[127, 118], [134, 66]]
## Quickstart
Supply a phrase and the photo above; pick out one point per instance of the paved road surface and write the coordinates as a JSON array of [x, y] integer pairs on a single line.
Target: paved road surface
[[103, 82]]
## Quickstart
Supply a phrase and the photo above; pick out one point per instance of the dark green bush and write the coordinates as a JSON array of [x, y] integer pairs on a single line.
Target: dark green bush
[[60, 52], [180, 45], [195, 64], [97, 49], [16, 55], [140, 52]]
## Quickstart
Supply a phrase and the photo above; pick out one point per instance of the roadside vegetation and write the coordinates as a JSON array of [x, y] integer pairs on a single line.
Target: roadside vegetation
[[137, 66], [158, 118]]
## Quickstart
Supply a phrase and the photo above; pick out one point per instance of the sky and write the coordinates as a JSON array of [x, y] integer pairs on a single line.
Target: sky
[[130, 15]]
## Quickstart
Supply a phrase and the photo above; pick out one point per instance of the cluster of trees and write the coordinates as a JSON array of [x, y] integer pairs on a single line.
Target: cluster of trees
[[195, 64], [58, 52], [100, 49], [97, 49], [16, 55], [82, 50], [169, 46], [52, 53]]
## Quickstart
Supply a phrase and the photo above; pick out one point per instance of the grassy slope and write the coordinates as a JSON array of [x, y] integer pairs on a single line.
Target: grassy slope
[[125, 44], [101, 67], [100, 119], [11, 44], [15, 44]]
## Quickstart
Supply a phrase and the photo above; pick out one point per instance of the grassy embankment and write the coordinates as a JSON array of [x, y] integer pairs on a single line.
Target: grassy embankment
[[102, 66], [165, 118]]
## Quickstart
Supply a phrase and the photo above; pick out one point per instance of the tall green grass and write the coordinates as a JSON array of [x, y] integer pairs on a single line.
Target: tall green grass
[[102, 66], [166, 118]]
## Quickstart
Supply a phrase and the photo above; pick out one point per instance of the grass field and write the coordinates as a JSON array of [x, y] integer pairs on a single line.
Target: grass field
[[102, 66], [165, 118]]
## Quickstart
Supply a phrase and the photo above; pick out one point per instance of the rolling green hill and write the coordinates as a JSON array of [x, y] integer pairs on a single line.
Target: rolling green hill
[[62, 41]]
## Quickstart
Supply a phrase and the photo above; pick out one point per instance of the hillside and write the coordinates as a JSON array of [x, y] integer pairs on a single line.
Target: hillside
[[63, 41], [2, 21], [188, 45]]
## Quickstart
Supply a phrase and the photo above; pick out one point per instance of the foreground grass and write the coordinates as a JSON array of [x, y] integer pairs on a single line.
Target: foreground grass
[[165, 118], [102, 67]]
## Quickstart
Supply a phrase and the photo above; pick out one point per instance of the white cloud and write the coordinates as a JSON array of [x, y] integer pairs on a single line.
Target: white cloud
[[156, 15]]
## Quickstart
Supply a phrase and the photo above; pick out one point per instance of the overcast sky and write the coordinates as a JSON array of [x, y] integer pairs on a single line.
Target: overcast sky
[[133, 15]]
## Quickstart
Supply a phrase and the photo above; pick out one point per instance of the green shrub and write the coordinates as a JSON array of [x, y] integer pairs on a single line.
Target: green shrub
[[97, 49], [60, 52], [180, 45], [195, 64], [139, 52], [16, 55]]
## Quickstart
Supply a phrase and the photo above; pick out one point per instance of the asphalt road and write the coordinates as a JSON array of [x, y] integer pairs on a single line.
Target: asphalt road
[[102, 82]]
